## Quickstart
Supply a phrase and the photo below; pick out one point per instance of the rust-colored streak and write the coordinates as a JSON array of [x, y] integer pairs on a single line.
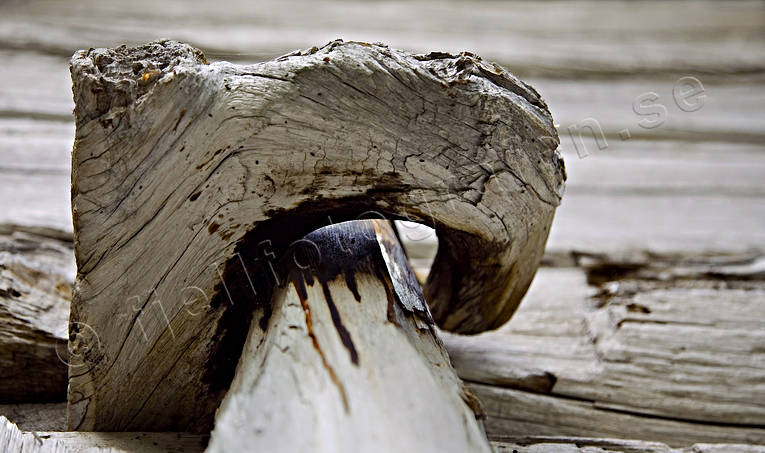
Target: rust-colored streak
[[389, 294], [303, 296], [473, 403], [147, 76], [213, 227], [209, 159]]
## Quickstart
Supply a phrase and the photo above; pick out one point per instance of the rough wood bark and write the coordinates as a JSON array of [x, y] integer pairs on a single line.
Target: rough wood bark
[[183, 172], [350, 361], [36, 272]]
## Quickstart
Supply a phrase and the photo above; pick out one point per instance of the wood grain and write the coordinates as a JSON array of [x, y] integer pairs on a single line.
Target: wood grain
[[36, 274], [350, 360], [689, 188], [264, 154], [668, 348], [14, 440], [651, 38]]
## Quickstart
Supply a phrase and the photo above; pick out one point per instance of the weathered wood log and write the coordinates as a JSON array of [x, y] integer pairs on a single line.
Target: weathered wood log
[[185, 173], [665, 348], [547, 349], [350, 361], [14, 440], [561, 444], [604, 49], [36, 271]]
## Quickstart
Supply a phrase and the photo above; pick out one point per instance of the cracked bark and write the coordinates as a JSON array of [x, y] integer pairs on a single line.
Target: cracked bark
[[189, 179]]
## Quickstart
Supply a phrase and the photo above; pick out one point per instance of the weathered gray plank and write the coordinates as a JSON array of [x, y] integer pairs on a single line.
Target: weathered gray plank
[[34, 86], [519, 413], [14, 440], [663, 223], [34, 173], [727, 111], [541, 444], [553, 38], [724, 110], [37, 416], [36, 272], [668, 349]]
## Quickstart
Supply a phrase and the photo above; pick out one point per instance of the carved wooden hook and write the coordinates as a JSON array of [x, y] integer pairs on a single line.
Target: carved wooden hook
[[190, 178]]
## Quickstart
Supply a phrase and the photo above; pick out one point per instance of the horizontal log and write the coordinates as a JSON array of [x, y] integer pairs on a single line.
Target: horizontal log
[[695, 38], [548, 349], [668, 349], [550, 444], [14, 440], [36, 272]]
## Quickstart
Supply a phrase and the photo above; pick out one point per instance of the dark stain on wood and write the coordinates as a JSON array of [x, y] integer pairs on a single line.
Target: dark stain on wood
[[303, 296], [638, 308], [345, 249], [473, 403], [209, 159], [601, 273], [106, 122], [180, 117], [245, 291]]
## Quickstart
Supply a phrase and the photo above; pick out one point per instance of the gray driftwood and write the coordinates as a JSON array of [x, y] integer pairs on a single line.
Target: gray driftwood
[[185, 174]]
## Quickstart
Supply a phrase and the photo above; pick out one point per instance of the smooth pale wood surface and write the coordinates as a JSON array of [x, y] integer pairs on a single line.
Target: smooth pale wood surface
[[35, 168], [350, 361], [728, 111]]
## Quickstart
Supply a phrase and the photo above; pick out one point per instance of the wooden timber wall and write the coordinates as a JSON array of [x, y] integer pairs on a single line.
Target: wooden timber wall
[[647, 320]]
